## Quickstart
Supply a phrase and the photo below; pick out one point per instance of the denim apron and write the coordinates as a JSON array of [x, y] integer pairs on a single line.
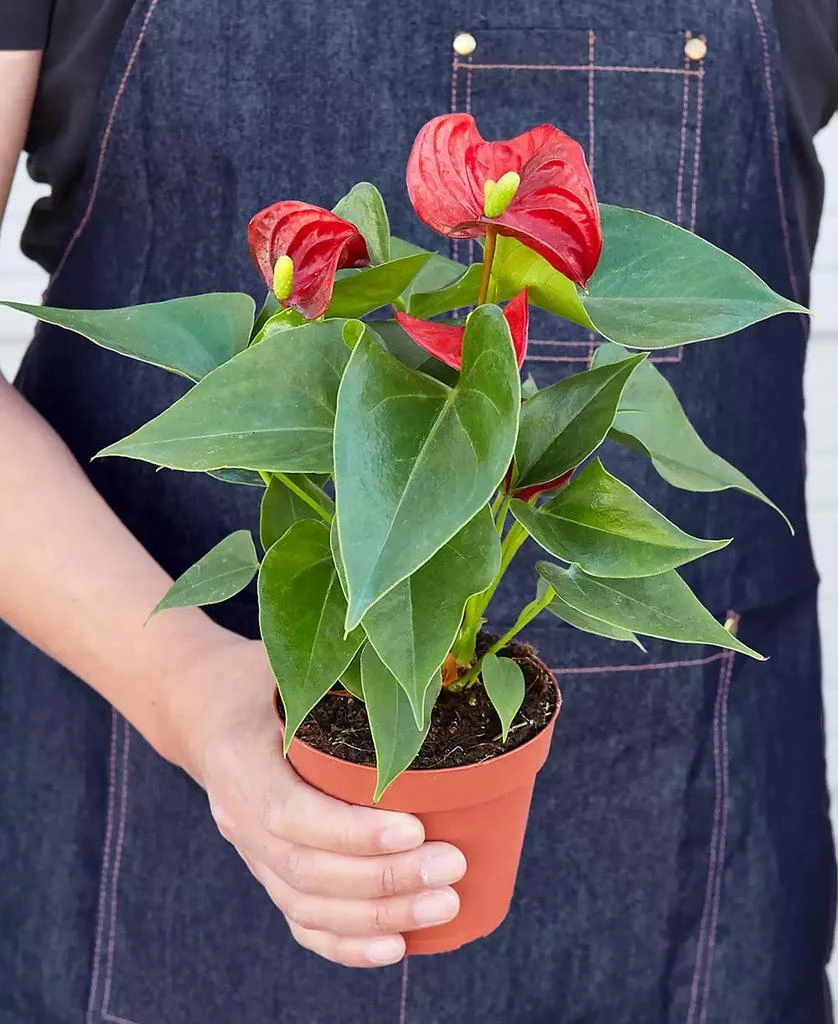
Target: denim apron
[[678, 867]]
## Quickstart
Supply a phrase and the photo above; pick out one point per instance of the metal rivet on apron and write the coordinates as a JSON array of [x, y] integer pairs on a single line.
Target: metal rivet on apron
[[464, 44], [696, 48]]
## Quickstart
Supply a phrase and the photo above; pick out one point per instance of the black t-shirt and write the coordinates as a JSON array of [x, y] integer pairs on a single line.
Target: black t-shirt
[[78, 37]]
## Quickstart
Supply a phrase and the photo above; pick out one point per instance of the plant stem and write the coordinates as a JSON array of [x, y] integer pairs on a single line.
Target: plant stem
[[527, 615], [300, 493], [488, 257]]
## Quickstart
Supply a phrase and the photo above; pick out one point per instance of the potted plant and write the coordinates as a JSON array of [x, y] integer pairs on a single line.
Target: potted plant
[[404, 463]]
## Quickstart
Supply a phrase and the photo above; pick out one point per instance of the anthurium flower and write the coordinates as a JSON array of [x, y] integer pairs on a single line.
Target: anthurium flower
[[445, 341], [536, 188], [299, 248], [526, 493]]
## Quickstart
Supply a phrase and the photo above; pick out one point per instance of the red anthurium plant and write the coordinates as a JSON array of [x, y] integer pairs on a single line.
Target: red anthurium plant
[[404, 463]]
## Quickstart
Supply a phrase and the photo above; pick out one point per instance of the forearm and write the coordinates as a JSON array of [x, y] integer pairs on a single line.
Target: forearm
[[75, 582]]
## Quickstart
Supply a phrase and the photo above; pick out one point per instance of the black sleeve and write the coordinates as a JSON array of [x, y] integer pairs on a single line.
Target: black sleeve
[[24, 24]]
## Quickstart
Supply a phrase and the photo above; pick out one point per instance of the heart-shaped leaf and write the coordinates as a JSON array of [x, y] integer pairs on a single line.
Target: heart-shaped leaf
[[221, 574], [364, 207], [573, 617], [190, 336], [395, 735], [361, 291], [461, 292], [301, 614], [562, 424], [650, 420], [661, 606], [271, 408], [281, 507], [504, 683], [656, 285], [601, 524], [413, 626], [416, 460]]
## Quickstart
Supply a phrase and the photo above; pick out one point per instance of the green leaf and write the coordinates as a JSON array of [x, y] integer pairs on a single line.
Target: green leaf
[[573, 617], [528, 388], [601, 524], [269, 307], [396, 737], [364, 207], [363, 291], [281, 507], [399, 343], [662, 606], [190, 336], [221, 574], [301, 613], [414, 626], [650, 420], [271, 408], [415, 460], [504, 683], [562, 424], [461, 292], [351, 678], [437, 273], [282, 320], [656, 285], [248, 477]]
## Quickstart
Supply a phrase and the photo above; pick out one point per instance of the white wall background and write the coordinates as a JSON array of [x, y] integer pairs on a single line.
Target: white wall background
[[23, 281]]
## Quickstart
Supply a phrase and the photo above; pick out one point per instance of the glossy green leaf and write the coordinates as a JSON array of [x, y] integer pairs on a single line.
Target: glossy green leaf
[[662, 606], [351, 678], [414, 626], [562, 424], [281, 507], [282, 320], [221, 574], [528, 388], [573, 617], [190, 336], [271, 408], [504, 683], [601, 524], [396, 737], [461, 292], [301, 614], [269, 307], [416, 460], [362, 291], [437, 273], [650, 420], [247, 477], [364, 207], [399, 343], [656, 285]]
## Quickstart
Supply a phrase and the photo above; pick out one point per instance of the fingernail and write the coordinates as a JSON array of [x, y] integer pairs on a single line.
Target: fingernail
[[442, 867], [401, 837], [385, 951], [435, 907]]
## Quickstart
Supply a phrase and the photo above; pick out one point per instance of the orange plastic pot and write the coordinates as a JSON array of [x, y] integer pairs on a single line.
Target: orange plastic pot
[[482, 809]]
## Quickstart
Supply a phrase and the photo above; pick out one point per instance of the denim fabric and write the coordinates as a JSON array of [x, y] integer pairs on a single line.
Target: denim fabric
[[678, 865]]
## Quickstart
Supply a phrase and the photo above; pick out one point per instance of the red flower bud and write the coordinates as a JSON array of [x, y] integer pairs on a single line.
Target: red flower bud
[[318, 243], [552, 209], [525, 493]]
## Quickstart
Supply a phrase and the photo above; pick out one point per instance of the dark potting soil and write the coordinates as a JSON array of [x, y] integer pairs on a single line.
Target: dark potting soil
[[465, 728]]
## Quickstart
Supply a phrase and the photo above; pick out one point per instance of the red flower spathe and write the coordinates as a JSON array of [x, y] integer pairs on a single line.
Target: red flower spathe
[[554, 210], [446, 341], [318, 242]]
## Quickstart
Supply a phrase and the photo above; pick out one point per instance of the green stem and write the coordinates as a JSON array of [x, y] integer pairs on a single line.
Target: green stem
[[301, 494], [524, 619], [488, 258]]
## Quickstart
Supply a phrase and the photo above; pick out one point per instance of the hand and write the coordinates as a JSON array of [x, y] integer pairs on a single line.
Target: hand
[[348, 879]]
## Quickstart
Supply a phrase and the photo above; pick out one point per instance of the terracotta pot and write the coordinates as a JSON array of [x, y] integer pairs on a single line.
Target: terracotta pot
[[482, 809]]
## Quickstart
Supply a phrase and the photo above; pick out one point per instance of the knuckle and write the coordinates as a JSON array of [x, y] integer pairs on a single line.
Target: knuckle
[[300, 911], [383, 917], [272, 811], [294, 867], [389, 882]]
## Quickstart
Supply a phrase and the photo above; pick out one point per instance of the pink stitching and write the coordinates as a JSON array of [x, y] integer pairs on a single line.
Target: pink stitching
[[586, 358], [775, 146], [699, 128], [689, 663], [403, 996], [682, 156], [103, 146], [591, 136], [117, 1020], [715, 835], [580, 67], [120, 840], [717, 896], [106, 860]]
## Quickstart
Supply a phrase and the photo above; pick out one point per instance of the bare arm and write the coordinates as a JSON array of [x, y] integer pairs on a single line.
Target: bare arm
[[75, 581]]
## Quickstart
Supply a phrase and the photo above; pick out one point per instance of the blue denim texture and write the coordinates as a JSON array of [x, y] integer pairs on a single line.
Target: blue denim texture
[[679, 863]]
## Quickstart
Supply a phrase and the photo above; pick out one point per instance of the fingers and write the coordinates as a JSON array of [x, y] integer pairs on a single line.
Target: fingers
[[304, 816], [351, 952], [322, 873]]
